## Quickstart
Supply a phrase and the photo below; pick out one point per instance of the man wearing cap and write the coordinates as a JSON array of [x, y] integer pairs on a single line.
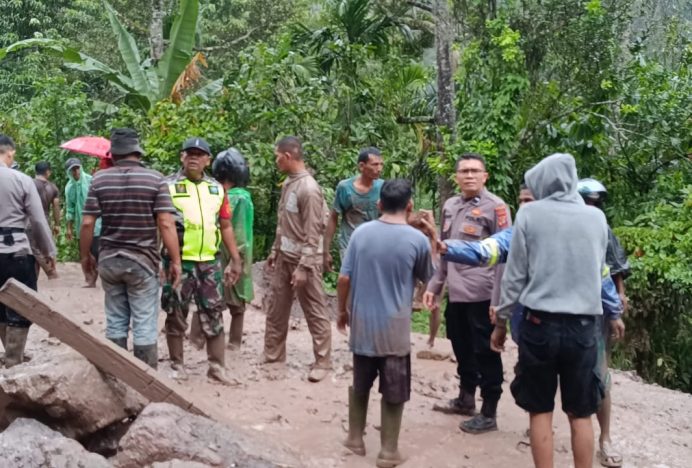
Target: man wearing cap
[[203, 217], [20, 203], [76, 192], [133, 203]]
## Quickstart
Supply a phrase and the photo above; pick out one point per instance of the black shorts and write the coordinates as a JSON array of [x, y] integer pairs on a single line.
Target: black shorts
[[394, 373], [564, 347], [23, 269]]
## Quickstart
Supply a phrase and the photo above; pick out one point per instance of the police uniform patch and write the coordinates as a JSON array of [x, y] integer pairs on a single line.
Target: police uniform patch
[[213, 189], [476, 212], [502, 218], [180, 188]]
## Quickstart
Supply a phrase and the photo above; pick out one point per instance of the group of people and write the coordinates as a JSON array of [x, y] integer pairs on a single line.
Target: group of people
[[191, 233]]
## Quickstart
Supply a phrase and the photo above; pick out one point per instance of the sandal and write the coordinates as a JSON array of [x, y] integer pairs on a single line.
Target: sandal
[[608, 456]]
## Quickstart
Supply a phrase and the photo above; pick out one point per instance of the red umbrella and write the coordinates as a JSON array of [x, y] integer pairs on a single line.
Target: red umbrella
[[89, 145]]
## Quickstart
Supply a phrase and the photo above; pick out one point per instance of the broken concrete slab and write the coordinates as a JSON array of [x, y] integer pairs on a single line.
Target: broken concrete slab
[[66, 392], [165, 433], [28, 443]]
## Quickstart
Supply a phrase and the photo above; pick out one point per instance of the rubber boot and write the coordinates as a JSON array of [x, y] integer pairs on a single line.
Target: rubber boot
[[389, 455], [122, 342], [3, 330], [464, 404], [15, 342], [483, 422], [357, 415], [175, 352], [148, 354], [235, 336], [216, 353]]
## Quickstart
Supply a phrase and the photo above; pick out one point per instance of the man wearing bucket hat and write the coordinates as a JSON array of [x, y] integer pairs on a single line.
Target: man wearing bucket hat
[[203, 218], [75, 196], [135, 205]]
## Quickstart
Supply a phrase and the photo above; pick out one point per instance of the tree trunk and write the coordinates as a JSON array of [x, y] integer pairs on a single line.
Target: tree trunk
[[158, 12], [446, 111]]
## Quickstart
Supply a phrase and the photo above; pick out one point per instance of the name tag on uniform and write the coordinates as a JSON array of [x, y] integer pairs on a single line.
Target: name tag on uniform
[[213, 189]]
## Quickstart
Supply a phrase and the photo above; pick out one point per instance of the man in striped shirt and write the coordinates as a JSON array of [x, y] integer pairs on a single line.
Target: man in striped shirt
[[134, 203]]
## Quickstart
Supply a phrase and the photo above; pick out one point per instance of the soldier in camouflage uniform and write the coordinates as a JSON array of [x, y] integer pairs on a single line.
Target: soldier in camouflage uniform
[[204, 218]]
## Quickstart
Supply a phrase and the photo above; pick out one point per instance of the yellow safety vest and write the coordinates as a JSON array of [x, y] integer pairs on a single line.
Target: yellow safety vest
[[199, 204]]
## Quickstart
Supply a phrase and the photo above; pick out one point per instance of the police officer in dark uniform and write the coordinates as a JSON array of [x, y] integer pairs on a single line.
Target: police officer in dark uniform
[[20, 204]]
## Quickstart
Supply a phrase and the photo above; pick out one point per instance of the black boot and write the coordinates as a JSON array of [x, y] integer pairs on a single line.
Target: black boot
[[464, 405], [484, 422], [148, 354], [122, 342]]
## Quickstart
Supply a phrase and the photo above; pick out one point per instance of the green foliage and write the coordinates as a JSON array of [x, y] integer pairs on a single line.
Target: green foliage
[[659, 324]]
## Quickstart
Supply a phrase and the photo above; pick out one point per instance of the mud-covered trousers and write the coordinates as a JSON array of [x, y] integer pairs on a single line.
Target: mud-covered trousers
[[313, 303]]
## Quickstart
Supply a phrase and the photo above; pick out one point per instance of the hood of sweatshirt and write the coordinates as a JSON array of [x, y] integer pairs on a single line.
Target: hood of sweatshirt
[[555, 178]]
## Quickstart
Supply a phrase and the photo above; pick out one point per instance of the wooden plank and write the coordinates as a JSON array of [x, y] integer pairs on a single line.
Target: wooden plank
[[101, 352]]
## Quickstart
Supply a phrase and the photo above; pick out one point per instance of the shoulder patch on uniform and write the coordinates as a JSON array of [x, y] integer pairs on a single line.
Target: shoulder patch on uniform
[[213, 189], [180, 188], [501, 215]]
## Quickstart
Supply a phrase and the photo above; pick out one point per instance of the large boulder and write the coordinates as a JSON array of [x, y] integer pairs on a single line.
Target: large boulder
[[28, 443], [63, 390], [165, 433]]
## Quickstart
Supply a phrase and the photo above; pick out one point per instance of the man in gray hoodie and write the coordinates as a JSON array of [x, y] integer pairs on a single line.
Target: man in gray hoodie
[[554, 268]]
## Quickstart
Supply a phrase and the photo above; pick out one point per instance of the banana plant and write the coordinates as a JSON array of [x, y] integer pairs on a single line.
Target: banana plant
[[144, 83]]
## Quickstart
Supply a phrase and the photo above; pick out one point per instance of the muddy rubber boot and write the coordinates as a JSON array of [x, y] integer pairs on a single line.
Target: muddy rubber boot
[[235, 336], [15, 342], [175, 352], [196, 335], [389, 455], [3, 330], [122, 342], [148, 354], [216, 353], [357, 415], [483, 422]]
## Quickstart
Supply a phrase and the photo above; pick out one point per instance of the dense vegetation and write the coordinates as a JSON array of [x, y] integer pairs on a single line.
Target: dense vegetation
[[607, 81]]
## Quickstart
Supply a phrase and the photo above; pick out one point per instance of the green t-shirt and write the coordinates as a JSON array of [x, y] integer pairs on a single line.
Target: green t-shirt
[[355, 208]]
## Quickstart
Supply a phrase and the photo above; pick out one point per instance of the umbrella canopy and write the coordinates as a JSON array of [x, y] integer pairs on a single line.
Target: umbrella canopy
[[90, 145]]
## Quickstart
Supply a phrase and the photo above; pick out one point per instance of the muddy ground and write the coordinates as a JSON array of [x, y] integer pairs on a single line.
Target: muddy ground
[[652, 425]]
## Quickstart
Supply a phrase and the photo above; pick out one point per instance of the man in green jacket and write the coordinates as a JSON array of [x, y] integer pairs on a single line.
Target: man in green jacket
[[75, 196]]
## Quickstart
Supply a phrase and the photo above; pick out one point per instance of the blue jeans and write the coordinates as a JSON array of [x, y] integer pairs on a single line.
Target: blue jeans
[[132, 293]]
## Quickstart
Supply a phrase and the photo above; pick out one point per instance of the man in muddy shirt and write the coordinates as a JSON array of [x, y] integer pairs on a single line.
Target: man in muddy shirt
[[296, 260], [355, 201]]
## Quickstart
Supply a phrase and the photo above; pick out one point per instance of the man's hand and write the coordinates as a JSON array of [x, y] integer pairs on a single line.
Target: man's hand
[[497, 339], [69, 234], [88, 267], [231, 274], [175, 273], [617, 329], [625, 302], [430, 301], [342, 321], [492, 314], [328, 262], [299, 278], [441, 247], [51, 264], [271, 262]]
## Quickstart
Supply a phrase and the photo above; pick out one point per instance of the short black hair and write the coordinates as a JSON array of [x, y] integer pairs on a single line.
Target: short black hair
[[470, 157], [395, 195], [364, 154], [6, 143], [291, 144], [42, 167]]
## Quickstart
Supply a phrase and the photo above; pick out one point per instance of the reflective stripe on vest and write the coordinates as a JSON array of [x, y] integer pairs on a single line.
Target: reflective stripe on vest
[[199, 204]]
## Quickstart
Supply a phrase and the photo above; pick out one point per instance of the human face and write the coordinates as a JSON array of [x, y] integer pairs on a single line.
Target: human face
[[282, 159], [471, 177], [76, 172], [372, 168], [194, 162], [525, 196]]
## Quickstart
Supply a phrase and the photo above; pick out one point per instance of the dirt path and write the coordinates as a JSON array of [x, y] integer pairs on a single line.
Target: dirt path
[[652, 425]]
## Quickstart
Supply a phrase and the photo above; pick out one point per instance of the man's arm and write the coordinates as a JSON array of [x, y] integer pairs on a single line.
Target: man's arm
[[56, 214], [488, 252], [343, 288], [69, 212], [39, 223], [86, 237], [503, 220], [234, 268], [328, 236], [166, 224], [437, 282], [516, 273]]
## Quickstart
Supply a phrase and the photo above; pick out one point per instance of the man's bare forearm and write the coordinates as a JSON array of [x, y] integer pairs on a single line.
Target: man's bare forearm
[[86, 236], [228, 237], [343, 288], [169, 236], [331, 229]]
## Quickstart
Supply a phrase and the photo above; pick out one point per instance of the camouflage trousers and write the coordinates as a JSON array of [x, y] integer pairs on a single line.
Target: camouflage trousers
[[201, 281]]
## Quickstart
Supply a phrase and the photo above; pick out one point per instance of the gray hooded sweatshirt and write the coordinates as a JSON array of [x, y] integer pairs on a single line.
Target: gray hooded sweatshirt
[[557, 255]]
